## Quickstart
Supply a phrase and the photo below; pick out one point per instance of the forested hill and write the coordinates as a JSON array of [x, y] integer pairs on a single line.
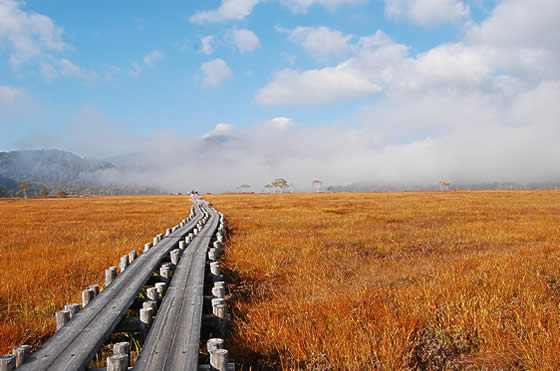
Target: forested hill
[[47, 166], [58, 170]]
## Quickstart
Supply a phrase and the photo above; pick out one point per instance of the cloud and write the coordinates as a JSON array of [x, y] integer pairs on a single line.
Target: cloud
[[229, 10], [236, 10], [11, 97], [222, 129], [301, 6], [487, 58], [280, 123], [480, 110], [428, 12], [321, 42], [136, 70], [206, 44], [149, 59], [27, 33], [463, 137], [153, 57], [215, 72], [244, 40], [361, 76], [53, 68], [315, 87]]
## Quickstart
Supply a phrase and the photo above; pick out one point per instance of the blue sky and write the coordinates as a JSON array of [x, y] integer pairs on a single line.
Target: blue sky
[[106, 38], [410, 78]]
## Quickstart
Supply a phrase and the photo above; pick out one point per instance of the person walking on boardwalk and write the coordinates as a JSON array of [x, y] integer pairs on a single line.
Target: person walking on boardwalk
[[194, 196]]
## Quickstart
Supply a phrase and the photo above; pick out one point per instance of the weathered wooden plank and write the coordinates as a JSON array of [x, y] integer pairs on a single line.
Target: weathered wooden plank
[[75, 344], [174, 338]]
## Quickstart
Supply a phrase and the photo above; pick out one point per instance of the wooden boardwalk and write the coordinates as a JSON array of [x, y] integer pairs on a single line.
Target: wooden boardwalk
[[74, 345], [173, 342]]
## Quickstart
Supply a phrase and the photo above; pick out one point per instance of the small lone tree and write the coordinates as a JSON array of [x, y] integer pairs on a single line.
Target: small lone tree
[[44, 192], [24, 188], [317, 185], [444, 185], [330, 188], [244, 187], [280, 184]]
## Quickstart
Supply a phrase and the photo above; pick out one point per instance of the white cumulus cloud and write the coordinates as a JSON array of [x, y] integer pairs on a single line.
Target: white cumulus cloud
[[315, 87], [135, 70], [215, 72], [10, 95], [362, 75], [221, 129], [300, 6], [321, 42], [236, 10], [228, 10], [52, 68], [28, 34], [428, 12], [153, 57], [244, 40], [206, 44]]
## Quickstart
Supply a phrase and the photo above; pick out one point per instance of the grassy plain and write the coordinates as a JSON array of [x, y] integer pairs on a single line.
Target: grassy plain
[[51, 249], [437, 280]]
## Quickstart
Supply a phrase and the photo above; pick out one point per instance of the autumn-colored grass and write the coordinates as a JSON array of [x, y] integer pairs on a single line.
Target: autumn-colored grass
[[51, 249], [435, 280]]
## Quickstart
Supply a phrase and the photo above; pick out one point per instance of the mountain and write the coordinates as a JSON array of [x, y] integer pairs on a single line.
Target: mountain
[[58, 170], [47, 166]]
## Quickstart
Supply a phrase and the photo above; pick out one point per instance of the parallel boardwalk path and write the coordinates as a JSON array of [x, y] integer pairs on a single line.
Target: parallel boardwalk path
[[174, 339], [76, 343]]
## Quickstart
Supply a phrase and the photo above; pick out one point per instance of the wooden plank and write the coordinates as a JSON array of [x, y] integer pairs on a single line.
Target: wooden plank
[[75, 344], [174, 338]]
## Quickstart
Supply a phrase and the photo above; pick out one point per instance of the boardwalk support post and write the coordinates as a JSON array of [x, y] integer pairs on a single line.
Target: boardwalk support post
[[117, 362], [152, 293], [95, 289], [7, 362], [124, 263], [110, 275], [132, 256], [62, 316], [219, 359], [87, 296], [73, 309], [146, 316], [21, 352]]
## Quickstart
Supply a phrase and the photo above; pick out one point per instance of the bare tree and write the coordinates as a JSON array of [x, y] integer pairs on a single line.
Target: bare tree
[[317, 184], [244, 187], [444, 185]]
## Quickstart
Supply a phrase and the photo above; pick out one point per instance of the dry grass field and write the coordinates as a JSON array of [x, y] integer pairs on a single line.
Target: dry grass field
[[51, 249], [437, 280]]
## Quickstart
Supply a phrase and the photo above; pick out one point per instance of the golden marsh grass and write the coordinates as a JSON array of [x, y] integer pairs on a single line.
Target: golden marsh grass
[[435, 280]]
